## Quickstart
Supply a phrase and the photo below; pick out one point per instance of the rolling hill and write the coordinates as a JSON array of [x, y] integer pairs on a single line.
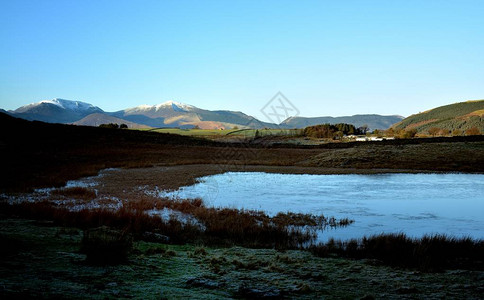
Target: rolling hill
[[457, 117], [175, 114], [372, 121], [97, 119]]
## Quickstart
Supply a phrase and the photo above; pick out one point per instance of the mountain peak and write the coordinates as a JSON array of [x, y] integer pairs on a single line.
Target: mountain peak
[[176, 106], [56, 110], [66, 104], [69, 105]]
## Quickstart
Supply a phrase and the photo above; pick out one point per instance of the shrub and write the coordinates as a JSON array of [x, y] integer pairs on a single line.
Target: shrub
[[332, 131], [433, 131], [473, 131], [456, 132], [105, 246], [408, 134], [110, 125], [430, 253], [76, 192]]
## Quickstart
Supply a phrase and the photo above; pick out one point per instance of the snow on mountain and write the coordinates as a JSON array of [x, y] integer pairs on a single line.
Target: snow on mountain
[[56, 111], [176, 106], [176, 114], [77, 106], [70, 104], [179, 106]]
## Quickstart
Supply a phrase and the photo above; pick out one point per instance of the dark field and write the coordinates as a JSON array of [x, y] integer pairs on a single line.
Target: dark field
[[44, 262], [240, 254], [36, 154]]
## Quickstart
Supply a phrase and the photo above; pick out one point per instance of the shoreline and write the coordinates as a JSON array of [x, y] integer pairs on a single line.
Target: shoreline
[[172, 177]]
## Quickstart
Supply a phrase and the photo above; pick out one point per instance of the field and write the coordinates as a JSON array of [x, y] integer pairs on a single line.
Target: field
[[43, 261], [227, 134], [47, 240]]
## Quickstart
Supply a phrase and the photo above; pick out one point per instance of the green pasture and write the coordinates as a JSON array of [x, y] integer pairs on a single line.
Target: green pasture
[[228, 132]]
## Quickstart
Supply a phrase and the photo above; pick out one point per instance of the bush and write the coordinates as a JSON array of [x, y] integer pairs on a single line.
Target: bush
[[456, 132], [110, 125], [429, 253], [433, 131], [332, 131], [408, 134], [75, 192], [473, 131], [105, 246]]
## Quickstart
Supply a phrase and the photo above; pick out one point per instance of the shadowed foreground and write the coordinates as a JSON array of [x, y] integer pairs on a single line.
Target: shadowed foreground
[[44, 262], [45, 256]]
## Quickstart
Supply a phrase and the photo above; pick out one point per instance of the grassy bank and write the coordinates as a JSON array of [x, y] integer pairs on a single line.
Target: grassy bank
[[429, 253], [225, 254], [285, 231], [199, 224], [44, 261]]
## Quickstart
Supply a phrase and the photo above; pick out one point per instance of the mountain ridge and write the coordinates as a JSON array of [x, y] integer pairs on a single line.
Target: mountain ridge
[[175, 114], [56, 110], [373, 121], [459, 117]]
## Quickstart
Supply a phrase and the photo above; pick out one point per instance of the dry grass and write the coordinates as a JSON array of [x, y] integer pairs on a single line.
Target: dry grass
[[430, 253], [36, 154], [445, 156], [75, 192], [219, 226], [106, 246]]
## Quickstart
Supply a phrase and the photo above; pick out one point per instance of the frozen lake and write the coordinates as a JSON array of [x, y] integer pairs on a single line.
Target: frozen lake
[[415, 204]]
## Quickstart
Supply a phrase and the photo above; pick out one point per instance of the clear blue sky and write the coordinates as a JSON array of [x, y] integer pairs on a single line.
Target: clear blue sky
[[328, 57]]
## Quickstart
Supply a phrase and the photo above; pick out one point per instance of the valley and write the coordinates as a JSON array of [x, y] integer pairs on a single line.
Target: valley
[[224, 260]]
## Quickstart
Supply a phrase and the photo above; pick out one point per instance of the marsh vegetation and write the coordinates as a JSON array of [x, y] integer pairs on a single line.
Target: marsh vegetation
[[52, 242]]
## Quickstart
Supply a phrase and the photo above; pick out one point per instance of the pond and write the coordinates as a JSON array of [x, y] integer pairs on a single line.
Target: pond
[[415, 204]]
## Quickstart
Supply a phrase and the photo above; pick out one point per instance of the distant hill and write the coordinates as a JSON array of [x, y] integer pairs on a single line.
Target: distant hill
[[458, 116], [97, 119], [176, 114], [167, 114], [373, 121], [56, 111]]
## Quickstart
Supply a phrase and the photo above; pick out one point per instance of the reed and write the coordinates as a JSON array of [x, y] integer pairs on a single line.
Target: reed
[[215, 226], [429, 253], [75, 192]]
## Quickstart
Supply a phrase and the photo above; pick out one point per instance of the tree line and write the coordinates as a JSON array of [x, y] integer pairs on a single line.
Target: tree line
[[114, 126], [334, 131]]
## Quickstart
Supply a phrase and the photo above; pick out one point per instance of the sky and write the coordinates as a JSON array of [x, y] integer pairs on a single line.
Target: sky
[[328, 58]]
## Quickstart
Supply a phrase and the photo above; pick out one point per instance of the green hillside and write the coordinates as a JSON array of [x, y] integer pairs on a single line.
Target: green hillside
[[457, 119]]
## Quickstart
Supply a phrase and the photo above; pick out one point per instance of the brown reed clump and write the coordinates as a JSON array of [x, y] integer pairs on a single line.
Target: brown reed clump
[[429, 253], [106, 246], [75, 192], [214, 226]]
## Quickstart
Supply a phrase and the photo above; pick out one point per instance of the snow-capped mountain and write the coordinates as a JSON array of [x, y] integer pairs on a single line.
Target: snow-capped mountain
[[165, 114], [174, 114], [159, 109], [62, 103], [56, 111]]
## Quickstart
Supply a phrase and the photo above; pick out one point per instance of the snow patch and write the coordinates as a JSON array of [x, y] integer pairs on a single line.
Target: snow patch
[[66, 104], [176, 106]]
